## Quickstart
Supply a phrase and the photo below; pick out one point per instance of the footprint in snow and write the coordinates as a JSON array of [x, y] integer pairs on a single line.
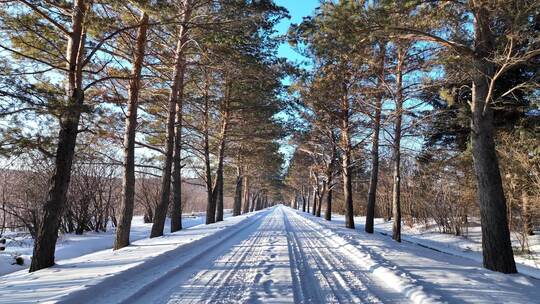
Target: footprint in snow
[[254, 299], [269, 269], [267, 285], [258, 278]]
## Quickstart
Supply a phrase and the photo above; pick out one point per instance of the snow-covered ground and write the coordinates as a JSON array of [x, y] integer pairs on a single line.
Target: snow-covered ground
[[72, 245], [277, 255], [469, 245]]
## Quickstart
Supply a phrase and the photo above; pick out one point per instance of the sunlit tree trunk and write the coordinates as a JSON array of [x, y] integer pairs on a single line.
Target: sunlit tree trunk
[[496, 244], [245, 208], [308, 200], [346, 160], [237, 207], [160, 214], [47, 232], [526, 214], [374, 175], [303, 195], [328, 213], [396, 153], [320, 197], [218, 191], [128, 182], [315, 197], [178, 78], [330, 178], [211, 203]]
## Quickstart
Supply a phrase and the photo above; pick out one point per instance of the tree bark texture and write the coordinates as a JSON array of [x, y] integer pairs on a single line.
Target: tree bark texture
[[496, 244], [245, 207], [346, 163], [47, 232], [218, 192], [396, 153], [237, 208], [160, 214], [374, 175], [127, 204], [179, 78]]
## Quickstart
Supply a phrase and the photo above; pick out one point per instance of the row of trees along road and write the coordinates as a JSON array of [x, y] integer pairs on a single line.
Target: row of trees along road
[[153, 88], [411, 105]]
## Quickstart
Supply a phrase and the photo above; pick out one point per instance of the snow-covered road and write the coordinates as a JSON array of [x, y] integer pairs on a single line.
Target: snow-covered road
[[252, 266], [287, 256], [278, 255], [325, 272], [283, 258]]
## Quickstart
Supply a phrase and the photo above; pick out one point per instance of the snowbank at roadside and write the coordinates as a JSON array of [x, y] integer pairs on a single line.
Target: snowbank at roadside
[[71, 245], [468, 246], [381, 268], [74, 276], [424, 274]]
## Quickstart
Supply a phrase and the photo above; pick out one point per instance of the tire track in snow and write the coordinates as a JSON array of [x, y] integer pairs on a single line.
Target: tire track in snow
[[281, 257], [380, 268], [254, 268], [229, 284], [306, 287], [324, 274]]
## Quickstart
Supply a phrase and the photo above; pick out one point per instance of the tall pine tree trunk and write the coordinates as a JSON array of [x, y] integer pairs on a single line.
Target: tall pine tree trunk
[[221, 156], [330, 178], [396, 153], [374, 175], [308, 201], [526, 214], [496, 244], [320, 197], [347, 189], [47, 232], [328, 213], [211, 203], [253, 202], [313, 197], [160, 214], [245, 207], [219, 195], [128, 182], [303, 199], [176, 212], [237, 207], [346, 162], [179, 75]]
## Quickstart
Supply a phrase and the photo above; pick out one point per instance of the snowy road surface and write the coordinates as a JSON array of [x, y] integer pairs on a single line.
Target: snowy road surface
[[278, 256], [281, 259]]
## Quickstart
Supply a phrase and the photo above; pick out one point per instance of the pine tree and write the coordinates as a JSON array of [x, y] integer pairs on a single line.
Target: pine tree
[[128, 183]]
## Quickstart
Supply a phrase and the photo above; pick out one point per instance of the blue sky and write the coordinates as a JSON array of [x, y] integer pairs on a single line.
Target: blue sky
[[297, 10]]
